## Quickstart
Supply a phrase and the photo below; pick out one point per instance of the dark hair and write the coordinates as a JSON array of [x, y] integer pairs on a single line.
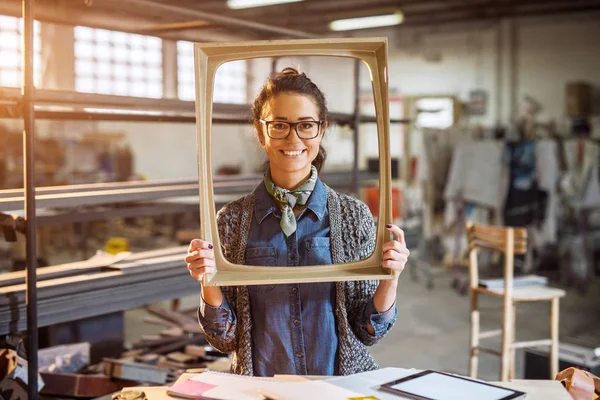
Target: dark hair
[[290, 80]]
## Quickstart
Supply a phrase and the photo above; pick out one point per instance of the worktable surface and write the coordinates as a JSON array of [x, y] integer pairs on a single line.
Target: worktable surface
[[535, 389]]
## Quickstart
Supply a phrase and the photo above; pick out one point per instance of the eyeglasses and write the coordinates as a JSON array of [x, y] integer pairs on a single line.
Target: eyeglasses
[[282, 129]]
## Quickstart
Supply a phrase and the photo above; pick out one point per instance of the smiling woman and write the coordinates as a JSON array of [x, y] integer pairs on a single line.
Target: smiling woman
[[293, 221], [290, 118]]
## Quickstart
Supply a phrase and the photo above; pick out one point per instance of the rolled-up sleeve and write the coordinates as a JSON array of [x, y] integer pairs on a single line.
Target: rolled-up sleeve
[[214, 320], [382, 321]]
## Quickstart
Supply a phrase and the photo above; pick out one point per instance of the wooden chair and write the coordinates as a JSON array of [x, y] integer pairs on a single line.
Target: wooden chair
[[510, 241]]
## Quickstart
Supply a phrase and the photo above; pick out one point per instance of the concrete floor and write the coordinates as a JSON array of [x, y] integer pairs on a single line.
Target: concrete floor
[[432, 330]]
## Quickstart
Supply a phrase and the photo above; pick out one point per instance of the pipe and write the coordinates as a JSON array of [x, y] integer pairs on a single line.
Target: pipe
[[176, 26], [428, 21], [499, 71], [125, 117], [65, 97], [29, 177], [218, 19], [274, 64], [514, 71], [356, 124]]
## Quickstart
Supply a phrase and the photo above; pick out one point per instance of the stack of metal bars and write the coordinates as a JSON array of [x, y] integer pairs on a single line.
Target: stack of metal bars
[[85, 289]]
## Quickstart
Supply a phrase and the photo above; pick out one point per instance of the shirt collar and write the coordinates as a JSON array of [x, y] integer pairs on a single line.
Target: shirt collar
[[264, 203], [317, 201]]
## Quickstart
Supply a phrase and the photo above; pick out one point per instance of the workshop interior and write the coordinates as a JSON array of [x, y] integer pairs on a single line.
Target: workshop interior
[[455, 144]]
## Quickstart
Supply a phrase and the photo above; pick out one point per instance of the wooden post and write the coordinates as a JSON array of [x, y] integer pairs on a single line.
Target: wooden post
[[474, 335], [513, 352], [474, 345], [554, 309], [507, 317]]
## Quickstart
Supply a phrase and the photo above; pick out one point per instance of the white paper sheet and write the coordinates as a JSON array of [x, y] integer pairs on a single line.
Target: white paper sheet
[[368, 383], [236, 387]]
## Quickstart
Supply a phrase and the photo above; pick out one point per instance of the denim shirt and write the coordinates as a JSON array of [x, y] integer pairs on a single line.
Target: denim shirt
[[294, 327]]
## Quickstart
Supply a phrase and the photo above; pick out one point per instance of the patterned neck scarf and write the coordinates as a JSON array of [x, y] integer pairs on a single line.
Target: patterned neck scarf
[[287, 199]]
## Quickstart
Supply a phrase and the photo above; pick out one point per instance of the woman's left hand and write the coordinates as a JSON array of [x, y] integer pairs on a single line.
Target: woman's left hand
[[395, 253]]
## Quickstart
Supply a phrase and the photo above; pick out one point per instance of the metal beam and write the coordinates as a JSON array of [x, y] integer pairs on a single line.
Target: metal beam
[[222, 184], [343, 8], [125, 116], [132, 109], [326, 17], [64, 97], [561, 9], [176, 26], [116, 297], [221, 118], [355, 127], [465, 13], [95, 287], [111, 20], [322, 6], [90, 187], [119, 193], [215, 18], [450, 12], [498, 72], [68, 200], [108, 213], [30, 206], [323, 17], [107, 116]]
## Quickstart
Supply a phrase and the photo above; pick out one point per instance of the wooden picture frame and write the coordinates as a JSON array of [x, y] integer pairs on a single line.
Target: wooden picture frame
[[207, 58]]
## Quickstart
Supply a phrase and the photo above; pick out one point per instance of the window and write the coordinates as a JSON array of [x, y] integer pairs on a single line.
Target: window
[[11, 51], [230, 81], [435, 112], [111, 62]]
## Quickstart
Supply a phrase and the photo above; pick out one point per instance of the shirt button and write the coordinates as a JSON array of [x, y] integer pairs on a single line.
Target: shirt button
[[294, 290], [296, 322], [299, 355]]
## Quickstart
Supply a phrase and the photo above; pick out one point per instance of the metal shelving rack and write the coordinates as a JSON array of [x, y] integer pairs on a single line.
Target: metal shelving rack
[[29, 104]]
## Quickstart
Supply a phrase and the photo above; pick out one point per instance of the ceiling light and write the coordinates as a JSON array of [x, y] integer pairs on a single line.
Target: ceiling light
[[239, 4], [367, 22]]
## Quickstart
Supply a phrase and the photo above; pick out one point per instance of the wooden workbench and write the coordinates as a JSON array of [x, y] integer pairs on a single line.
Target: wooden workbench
[[535, 389]]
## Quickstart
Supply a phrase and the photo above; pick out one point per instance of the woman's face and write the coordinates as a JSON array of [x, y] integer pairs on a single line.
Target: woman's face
[[291, 154]]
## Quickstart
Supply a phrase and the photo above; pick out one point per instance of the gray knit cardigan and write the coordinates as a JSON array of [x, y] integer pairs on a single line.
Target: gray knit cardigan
[[352, 238]]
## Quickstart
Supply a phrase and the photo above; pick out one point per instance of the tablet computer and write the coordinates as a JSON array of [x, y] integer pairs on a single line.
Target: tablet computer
[[433, 385]]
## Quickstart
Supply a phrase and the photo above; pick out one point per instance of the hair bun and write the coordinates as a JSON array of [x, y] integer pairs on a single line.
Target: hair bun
[[289, 71]]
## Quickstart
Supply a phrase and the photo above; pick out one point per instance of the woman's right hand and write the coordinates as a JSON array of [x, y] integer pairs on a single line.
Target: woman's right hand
[[200, 259]]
